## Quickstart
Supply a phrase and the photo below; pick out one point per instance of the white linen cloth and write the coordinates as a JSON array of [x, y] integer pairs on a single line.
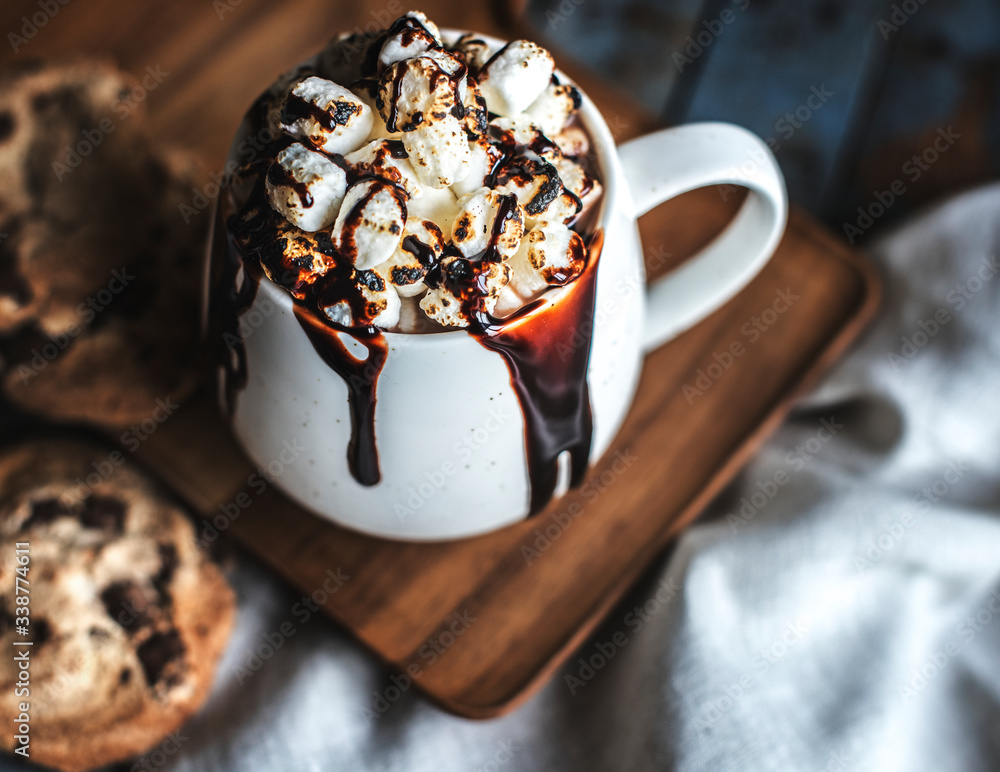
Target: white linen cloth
[[850, 622]]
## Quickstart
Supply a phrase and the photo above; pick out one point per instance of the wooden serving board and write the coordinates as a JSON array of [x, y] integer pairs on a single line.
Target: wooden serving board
[[536, 590]]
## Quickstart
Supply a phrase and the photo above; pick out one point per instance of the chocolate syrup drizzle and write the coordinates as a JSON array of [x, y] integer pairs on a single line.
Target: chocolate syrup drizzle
[[548, 376]]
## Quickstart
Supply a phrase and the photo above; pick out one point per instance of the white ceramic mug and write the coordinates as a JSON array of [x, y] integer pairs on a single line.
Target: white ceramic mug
[[448, 424]]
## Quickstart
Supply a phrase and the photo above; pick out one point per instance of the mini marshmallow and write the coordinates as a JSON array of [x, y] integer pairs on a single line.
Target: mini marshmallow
[[306, 187], [277, 94], [476, 118], [484, 155], [387, 160], [474, 51], [378, 129], [553, 108], [420, 91], [370, 224], [326, 116], [473, 230], [410, 35], [573, 142], [443, 306], [420, 248], [519, 132], [515, 77], [379, 307], [550, 254], [575, 179], [295, 259], [439, 152], [536, 184], [435, 204]]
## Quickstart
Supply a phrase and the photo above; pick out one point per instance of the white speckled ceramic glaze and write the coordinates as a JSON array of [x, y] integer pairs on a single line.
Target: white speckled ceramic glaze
[[448, 424]]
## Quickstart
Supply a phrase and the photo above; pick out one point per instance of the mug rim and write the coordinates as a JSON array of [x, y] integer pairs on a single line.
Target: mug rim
[[604, 153]]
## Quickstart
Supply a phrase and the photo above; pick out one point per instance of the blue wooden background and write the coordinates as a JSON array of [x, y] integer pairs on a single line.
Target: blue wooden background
[[896, 77]]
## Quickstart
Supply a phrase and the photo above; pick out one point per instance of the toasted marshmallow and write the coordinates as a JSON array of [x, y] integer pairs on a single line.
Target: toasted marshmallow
[[476, 117], [438, 205], [326, 116], [476, 228], [379, 306], [439, 152], [519, 132], [550, 254], [378, 129], [515, 77], [306, 187], [295, 259], [573, 142], [484, 155], [421, 247], [444, 304], [575, 179], [370, 224], [536, 184], [474, 51], [553, 108], [410, 35], [275, 96], [387, 160], [420, 91]]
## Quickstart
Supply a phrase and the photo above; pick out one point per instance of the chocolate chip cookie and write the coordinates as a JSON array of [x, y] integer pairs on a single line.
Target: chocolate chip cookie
[[127, 615], [99, 265]]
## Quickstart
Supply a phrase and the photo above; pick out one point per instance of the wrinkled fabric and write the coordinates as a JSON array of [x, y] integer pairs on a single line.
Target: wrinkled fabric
[[837, 608]]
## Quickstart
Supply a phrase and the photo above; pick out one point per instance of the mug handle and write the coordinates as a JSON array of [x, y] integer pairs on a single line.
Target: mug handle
[[672, 161]]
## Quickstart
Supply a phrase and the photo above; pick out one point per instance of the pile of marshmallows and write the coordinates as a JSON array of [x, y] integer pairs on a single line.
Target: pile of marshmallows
[[437, 102]]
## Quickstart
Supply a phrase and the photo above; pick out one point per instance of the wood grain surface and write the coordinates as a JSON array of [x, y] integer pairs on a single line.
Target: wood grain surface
[[535, 590]]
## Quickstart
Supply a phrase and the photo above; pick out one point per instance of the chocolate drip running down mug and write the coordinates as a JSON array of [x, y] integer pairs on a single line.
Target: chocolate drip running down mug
[[461, 449]]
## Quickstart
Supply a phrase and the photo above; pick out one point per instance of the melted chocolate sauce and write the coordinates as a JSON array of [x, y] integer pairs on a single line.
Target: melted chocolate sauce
[[361, 378], [297, 108], [234, 288], [550, 377], [278, 175]]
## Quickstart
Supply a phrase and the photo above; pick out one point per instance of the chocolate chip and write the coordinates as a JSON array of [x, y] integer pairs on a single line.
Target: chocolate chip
[[168, 565], [158, 653], [46, 511], [127, 604], [103, 512], [6, 125]]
